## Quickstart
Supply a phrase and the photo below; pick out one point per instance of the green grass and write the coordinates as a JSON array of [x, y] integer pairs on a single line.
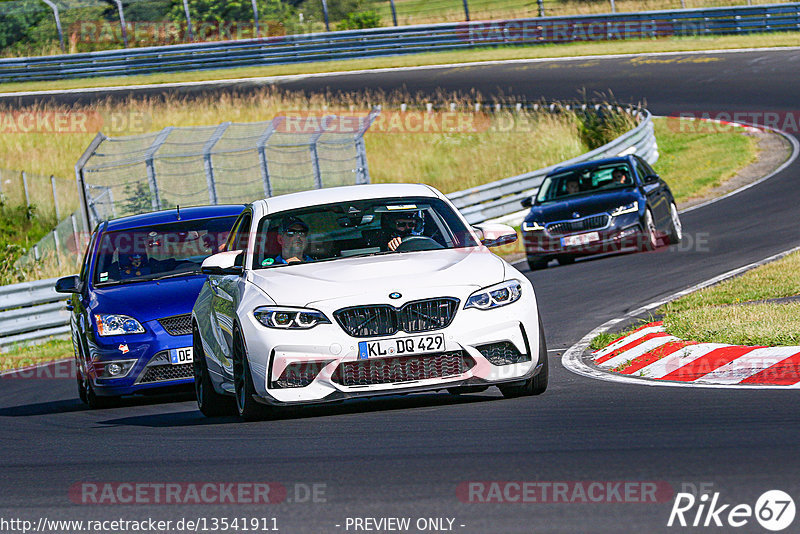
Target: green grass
[[697, 156], [604, 339], [677, 44], [767, 324], [23, 355], [20, 228], [730, 312]]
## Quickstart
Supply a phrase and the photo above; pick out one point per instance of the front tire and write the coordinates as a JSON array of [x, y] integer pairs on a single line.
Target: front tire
[[537, 262], [675, 227], [650, 237], [537, 384], [209, 402], [246, 406], [96, 402]]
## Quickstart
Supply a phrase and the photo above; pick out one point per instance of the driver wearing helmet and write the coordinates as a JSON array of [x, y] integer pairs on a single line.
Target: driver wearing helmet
[[396, 226]]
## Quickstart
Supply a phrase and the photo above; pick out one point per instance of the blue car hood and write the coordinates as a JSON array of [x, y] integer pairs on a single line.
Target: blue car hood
[[583, 205], [145, 301]]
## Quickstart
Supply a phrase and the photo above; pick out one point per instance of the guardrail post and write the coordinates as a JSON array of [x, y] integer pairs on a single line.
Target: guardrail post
[[262, 154], [58, 23], [55, 197], [613, 7], [188, 19], [541, 7], [25, 189], [122, 23], [466, 10], [209, 166], [325, 13], [394, 12]]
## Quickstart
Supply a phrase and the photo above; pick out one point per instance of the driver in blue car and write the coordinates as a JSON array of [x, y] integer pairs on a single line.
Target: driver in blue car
[[293, 239], [397, 226]]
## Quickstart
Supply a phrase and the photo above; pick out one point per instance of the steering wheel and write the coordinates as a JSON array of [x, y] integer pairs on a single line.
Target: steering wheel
[[417, 242]]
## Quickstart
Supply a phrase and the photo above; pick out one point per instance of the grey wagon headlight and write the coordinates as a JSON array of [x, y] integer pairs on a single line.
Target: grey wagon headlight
[[495, 296], [289, 318]]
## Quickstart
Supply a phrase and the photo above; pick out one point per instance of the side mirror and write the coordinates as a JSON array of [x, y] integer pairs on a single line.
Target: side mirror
[[69, 284], [223, 263], [494, 235], [651, 178], [527, 202]]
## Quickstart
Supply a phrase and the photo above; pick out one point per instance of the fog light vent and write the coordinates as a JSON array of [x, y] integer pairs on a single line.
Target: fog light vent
[[502, 353], [298, 375]]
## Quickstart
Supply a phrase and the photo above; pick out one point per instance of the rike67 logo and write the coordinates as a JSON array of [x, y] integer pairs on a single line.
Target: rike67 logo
[[774, 510]]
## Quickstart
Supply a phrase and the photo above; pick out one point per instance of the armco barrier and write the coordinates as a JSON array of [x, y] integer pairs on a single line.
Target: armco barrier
[[30, 311], [404, 40], [503, 197]]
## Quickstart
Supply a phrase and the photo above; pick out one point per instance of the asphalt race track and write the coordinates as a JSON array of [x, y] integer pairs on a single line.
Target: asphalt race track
[[407, 456]]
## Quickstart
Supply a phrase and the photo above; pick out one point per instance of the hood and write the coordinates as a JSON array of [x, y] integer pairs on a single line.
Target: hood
[[409, 273], [585, 206], [146, 301]]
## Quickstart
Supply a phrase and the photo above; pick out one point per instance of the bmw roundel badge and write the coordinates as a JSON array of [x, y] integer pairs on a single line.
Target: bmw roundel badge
[[395, 295]]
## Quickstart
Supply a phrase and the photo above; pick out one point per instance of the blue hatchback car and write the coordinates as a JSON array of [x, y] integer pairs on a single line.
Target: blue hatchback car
[[604, 205], [131, 303]]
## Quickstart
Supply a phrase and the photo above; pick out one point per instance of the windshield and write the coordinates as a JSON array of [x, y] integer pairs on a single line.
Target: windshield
[[358, 228], [159, 251], [584, 181]]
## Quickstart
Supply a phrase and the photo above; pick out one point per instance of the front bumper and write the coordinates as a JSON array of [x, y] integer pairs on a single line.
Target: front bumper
[[622, 233], [149, 353], [326, 361]]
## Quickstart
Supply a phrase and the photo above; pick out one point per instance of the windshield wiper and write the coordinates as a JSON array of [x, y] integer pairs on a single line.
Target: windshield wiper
[[174, 275]]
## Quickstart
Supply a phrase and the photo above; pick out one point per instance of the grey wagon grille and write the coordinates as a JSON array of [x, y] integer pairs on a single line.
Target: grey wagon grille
[[582, 225]]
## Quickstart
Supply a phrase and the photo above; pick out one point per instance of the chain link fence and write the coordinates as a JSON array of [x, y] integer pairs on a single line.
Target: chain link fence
[[229, 163]]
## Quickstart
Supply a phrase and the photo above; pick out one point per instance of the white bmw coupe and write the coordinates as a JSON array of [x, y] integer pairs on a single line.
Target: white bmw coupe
[[361, 291]]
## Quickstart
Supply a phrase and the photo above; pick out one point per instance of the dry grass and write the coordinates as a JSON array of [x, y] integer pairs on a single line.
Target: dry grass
[[500, 146]]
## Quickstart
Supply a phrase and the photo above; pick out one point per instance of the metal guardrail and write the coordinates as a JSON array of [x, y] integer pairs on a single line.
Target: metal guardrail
[[503, 197], [31, 311], [403, 40]]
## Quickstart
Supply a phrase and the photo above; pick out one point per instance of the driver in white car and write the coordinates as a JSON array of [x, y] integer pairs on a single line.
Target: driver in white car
[[293, 239], [398, 226]]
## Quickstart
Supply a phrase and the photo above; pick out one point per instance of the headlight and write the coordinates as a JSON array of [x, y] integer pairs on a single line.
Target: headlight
[[289, 318], [495, 296], [627, 208], [531, 226], [117, 325]]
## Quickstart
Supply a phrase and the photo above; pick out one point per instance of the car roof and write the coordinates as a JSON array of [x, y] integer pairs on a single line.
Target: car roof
[[590, 164], [167, 216], [343, 194]]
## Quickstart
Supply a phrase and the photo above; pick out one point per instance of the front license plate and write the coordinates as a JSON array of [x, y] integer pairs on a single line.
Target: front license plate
[[580, 239], [400, 347], [179, 356]]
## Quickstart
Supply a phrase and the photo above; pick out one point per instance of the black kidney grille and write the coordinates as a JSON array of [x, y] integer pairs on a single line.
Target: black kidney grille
[[402, 369], [384, 320], [568, 227], [177, 325]]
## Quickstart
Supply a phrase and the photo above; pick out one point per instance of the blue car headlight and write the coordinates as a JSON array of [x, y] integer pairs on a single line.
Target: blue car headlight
[[289, 318], [627, 208], [110, 324], [495, 296], [531, 226]]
